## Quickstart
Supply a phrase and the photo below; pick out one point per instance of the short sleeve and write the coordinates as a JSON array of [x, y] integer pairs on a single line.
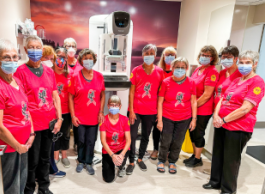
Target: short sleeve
[[71, 87], [162, 89], [133, 77], [255, 92], [54, 82], [193, 88], [2, 100], [103, 84], [127, 124], [102, 127], [211, 78]]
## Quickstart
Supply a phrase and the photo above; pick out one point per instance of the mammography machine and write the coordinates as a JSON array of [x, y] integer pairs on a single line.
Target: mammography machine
[[110, 37]]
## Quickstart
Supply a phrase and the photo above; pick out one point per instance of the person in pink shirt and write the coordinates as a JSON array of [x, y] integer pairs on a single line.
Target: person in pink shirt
[[116, 140], [145, 82], [229, 62], [206, 77], [177, 112], [44, 106], [234, 120], [86, 104], [168, 55], [16, 129]]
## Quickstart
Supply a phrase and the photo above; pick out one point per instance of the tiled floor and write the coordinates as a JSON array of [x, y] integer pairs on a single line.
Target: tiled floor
[[186, 181]]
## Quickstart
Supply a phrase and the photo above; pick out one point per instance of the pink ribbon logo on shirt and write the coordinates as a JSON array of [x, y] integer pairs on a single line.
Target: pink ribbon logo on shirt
[[147, 89], [228, 98], [91, 96], [115, 137], [219, 91], [24, 110], [43, 96], [60, 89], [179, 99]]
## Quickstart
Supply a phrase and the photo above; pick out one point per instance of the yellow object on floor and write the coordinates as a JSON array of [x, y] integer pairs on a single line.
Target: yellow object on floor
[[187, 145]]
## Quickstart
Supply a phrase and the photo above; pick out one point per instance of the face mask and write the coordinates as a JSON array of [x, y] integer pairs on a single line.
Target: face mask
[[169, 59], [179, 73], [149, 59], [245, 69], [47, 63], [35, 54], [9, 67], [205, 60], [88, 64], [227, 63], [71, 52], [60, 62], [114, 110]]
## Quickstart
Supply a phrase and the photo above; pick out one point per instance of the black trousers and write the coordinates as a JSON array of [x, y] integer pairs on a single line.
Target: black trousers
[[197, 135], [87, 136], [156, 137], [172, 138], [226, 158], [148, 122], [108, 167], [63, 142], [75, 130], [39, 161]]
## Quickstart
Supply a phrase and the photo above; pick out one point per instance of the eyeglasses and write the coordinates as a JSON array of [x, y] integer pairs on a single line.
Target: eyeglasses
[[68, 46], [114, 105], [57, 136], [60, 56], [179, 67], [9, 58], [202, 55], [224, 57]]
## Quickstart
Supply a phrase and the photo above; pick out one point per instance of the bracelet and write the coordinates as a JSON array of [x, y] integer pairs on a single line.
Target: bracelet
[[32, 134], [73, 117], [60, 119], [112, 155], [223, 120], [194, 118]]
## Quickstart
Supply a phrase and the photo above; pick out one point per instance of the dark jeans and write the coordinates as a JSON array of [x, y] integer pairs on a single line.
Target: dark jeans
[[63, 142], [108, 167], [15, 171], [226, 158], [172, 138], [87, 136], [197, 135], [75, 130], [148, 122], [39, 161], [156, 137], [53, 166]]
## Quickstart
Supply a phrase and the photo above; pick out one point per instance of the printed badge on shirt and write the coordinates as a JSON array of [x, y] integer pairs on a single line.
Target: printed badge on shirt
[[42, 94], [147, 89], [179, 98], [60, 88], [115, 137], [219, 91], [25, 113], [228, 98], [91, 97]]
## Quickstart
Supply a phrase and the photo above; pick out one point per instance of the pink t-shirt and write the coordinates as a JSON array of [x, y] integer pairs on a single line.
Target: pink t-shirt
[[146, 89], [39, 92], [63, 83], [75, 68], [14, 104], [223, 83], [87, 97], [166, 75], [177, 98], [209, 77], [115, 134], [251, 90]]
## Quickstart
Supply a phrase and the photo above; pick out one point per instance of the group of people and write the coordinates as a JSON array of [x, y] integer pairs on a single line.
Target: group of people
[[41, 100]]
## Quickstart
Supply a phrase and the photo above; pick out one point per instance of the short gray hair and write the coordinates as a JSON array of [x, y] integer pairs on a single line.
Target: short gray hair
[[33, 38], [69, 40], [61, 49], [114, 99], [149, 47], [180, 59], [249, 54], [6, 45]]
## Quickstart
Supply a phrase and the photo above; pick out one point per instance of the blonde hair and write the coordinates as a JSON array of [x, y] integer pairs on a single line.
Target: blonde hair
[[212, 50], [48, 50], [69, 40], [114, 99], [169, 49], [180, 59]]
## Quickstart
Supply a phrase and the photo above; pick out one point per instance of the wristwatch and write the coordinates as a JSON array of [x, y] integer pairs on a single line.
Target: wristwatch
[[60, 119], [32, 134], [223, 120]]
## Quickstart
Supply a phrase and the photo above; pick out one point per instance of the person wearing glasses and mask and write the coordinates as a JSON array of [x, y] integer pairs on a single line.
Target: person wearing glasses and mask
[[116, 140], [86, 104], [145, 82], [177, 95], [44, 106], [205, 77], [234, 121], [16, 129]]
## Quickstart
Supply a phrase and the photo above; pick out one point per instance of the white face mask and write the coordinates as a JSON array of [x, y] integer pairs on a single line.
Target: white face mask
[[71, 52], [48, 63]]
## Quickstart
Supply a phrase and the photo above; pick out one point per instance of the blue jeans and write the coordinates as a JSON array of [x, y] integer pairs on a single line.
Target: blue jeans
[[53, 167]]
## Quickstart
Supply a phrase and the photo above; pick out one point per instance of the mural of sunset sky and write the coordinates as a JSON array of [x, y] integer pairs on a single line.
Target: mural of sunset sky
[[154, 21]]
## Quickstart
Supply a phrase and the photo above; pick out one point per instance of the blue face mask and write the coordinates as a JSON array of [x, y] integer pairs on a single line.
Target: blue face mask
[[205, 60], [114, 110], [227, 63], [179, 72], [245, 69], [9, 67], [149, 59], [88, 64], [169, 59], [35, 54]]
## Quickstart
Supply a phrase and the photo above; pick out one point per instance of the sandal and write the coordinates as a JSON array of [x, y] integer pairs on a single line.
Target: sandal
[[172, 170], [154, 155], [160, 168]]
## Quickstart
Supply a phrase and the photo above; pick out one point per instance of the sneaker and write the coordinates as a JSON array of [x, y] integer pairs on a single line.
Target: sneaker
[[45, 192], [59, 174], [142, 165], [154, 155], [79, 167], [90, 169], [129, 169], [66, 162], [194, 162], [57, 161], [190, 158], [121, 172]]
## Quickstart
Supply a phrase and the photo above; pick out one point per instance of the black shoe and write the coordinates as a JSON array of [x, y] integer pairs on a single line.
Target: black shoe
[[194, 162], [209, 186], [129, 169], [228, 193], [142, 165], [45, 192], [190, 158]]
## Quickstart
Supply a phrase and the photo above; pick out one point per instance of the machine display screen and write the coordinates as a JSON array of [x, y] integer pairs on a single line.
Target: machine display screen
[[121, 19], [120, 24]]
